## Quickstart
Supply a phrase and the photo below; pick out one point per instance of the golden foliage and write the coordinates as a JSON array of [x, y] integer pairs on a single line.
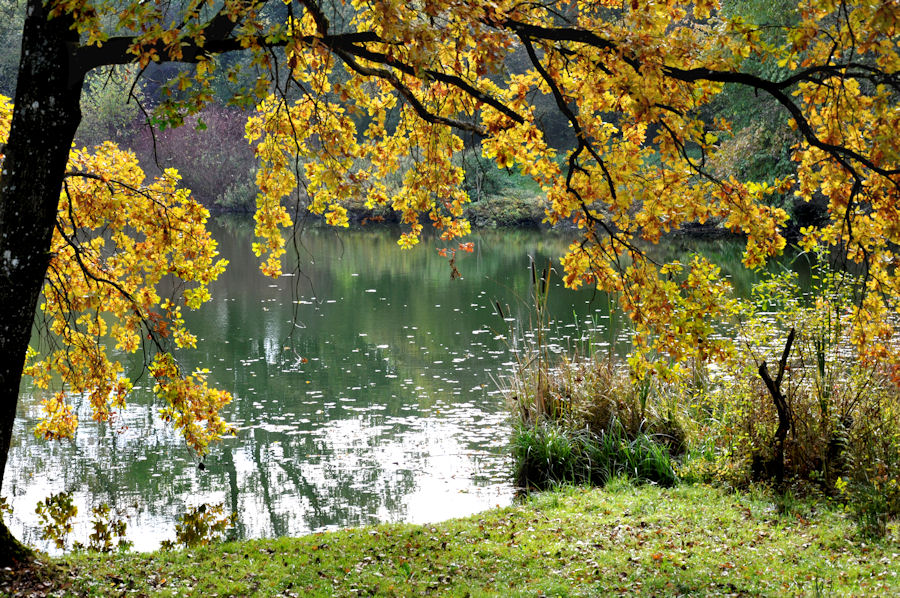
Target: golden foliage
[[119, 241], [384, 93], [636, 82]]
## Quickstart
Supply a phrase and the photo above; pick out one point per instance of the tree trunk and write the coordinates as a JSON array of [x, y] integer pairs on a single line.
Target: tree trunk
[[46, 115], [775, 466]]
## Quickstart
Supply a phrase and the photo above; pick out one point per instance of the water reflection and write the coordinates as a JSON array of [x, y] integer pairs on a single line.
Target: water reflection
[[363, 385]]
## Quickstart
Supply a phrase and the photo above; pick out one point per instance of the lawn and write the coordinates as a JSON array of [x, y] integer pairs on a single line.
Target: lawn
[[622, 540]]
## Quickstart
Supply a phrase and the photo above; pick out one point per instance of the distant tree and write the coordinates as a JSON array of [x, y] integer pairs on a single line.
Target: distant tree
[[633, 80], [109, 104]]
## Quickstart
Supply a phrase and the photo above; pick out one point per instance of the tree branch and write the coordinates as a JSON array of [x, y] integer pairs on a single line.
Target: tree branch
[[455, 80], [843, 155], [408, 95]]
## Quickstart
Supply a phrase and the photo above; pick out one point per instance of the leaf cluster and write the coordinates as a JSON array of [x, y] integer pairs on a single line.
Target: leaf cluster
[[120, 244]]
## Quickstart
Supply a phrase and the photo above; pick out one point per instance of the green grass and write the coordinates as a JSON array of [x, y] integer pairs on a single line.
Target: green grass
[[550, 453], [571, 542]]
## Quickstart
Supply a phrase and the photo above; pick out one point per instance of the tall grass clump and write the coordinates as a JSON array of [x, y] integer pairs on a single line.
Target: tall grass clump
[[551, 452], [581, 419]]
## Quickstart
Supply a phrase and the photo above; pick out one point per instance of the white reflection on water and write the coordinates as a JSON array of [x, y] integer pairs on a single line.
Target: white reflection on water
[[363, 469]]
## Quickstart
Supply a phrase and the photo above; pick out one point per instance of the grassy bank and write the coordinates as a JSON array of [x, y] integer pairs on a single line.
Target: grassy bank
[[575, 542]]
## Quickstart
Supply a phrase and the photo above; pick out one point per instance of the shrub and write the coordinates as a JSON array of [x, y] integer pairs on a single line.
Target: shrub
[[844, 414]]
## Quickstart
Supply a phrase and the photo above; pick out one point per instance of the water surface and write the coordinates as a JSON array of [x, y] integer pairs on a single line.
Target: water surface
[[364, 385]]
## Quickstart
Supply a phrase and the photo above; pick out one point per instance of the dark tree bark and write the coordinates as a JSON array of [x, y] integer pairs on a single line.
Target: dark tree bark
[[775, 465], [46, 115]]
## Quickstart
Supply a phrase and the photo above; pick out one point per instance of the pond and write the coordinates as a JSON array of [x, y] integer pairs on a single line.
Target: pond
[[365, 390]]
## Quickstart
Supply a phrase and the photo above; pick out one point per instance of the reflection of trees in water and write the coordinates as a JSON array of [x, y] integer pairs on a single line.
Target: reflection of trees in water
[[302, 482], [137, 461]]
